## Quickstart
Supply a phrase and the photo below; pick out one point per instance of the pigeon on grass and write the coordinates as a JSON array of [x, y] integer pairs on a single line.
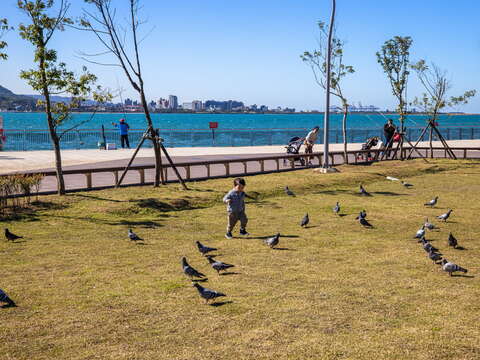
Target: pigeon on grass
[[207, 294], [288, 191], [10, 236], [363, 214], [407, 185], [273, 241], [452, 241], [133, 237], [428, 225], [445, 216], [434, 256], [190, 271], [420, 233], [305, 221], [218, 265], [336, 209], [4, 298], [450, 267], [364, 192], [432, 202], [204, 249], [427, 246]]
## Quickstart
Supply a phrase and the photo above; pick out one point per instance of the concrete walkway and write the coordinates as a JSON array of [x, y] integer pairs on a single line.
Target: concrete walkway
[[44, 159]]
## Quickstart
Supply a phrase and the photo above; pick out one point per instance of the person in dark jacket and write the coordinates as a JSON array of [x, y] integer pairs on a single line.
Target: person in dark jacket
[[389, 130], [123, 128]]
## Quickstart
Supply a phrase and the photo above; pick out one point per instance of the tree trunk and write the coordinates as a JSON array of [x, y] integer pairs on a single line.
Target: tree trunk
[[431, 142], [344, 131], [51, 126], [153, 135]]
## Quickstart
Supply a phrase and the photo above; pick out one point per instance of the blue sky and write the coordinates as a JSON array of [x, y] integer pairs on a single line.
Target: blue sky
[[249, 50]]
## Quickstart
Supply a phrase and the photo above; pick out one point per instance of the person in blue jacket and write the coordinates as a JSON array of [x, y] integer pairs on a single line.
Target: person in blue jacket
[[123, 127]]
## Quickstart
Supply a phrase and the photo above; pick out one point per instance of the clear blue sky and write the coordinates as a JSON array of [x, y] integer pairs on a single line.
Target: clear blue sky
[[249, 50]]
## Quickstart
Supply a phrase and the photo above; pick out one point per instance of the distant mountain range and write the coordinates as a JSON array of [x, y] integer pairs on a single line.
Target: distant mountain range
[[11, 101]]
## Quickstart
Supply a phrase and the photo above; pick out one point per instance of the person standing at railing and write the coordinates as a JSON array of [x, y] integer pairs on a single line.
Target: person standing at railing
[[389, 130], [310, 141], [123, 127]]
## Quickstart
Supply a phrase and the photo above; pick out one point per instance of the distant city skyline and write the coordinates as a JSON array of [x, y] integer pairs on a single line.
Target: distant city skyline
[[250, 50]]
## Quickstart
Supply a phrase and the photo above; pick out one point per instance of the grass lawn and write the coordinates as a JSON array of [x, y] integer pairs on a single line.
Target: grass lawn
[[335, 291]]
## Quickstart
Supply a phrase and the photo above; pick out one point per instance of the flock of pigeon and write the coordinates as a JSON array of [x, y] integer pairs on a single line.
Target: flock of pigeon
[[208, 294]]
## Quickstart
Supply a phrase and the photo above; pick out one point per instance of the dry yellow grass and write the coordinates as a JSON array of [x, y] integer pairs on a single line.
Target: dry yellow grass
[[338, 292]]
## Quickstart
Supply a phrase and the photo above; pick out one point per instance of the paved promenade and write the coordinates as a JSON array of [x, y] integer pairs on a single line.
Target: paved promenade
[[11, 162]]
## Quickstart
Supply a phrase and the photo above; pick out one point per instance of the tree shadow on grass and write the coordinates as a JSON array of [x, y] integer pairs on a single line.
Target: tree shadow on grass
[[389, 193], [144, 224], [332, 192], [221, 303], [92, 197], [463, 276], [154, 204]]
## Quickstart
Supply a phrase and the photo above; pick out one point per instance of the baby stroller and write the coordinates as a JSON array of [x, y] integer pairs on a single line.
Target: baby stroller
[[370, 143], [293, 147]]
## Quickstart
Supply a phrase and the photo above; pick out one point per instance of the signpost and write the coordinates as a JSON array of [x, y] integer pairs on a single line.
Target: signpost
[[213, 126], [2, 135]]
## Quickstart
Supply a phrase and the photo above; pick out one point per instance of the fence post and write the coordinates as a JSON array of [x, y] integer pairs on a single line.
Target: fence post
[[89, 180], [472, 133], [24, 139]]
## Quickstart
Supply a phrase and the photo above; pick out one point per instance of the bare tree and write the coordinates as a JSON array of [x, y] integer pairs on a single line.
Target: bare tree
[[102, 23], [436, 85], [317, 60]]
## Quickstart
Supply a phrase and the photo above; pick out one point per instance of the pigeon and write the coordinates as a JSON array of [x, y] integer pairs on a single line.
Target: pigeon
[[445, 216], [204, 249], [305, 221], [288, 191], [207, 294], [427, 246], [407, 185], [429, 225], [452, 241], [363, 214], [218, 265], [4, 298], [133, 236], [391, 178], [420, 233], [434, 256], [364, 192], [336, 209], [432, 202], [11, 237], [364, 222], [273, 241], [451, 267], [190, 271]]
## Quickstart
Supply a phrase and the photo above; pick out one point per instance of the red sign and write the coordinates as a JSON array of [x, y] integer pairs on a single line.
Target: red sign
[[213, 125]]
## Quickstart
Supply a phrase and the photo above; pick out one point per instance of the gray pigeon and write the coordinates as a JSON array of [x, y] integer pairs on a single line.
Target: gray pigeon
[[11, 237], [434, 256], [451, 267], [420, 233], [363, 214], [336, 209], [134, 237], [445, 216], [432, 202], [452, 241], [288, 191], [273, 241], [407, 185], [204, 249], [207, 294], [4, 298], [428, 225], [218, 265], [364, 222], [190, 271], [427, 246], [305, 221], [364, 192]]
